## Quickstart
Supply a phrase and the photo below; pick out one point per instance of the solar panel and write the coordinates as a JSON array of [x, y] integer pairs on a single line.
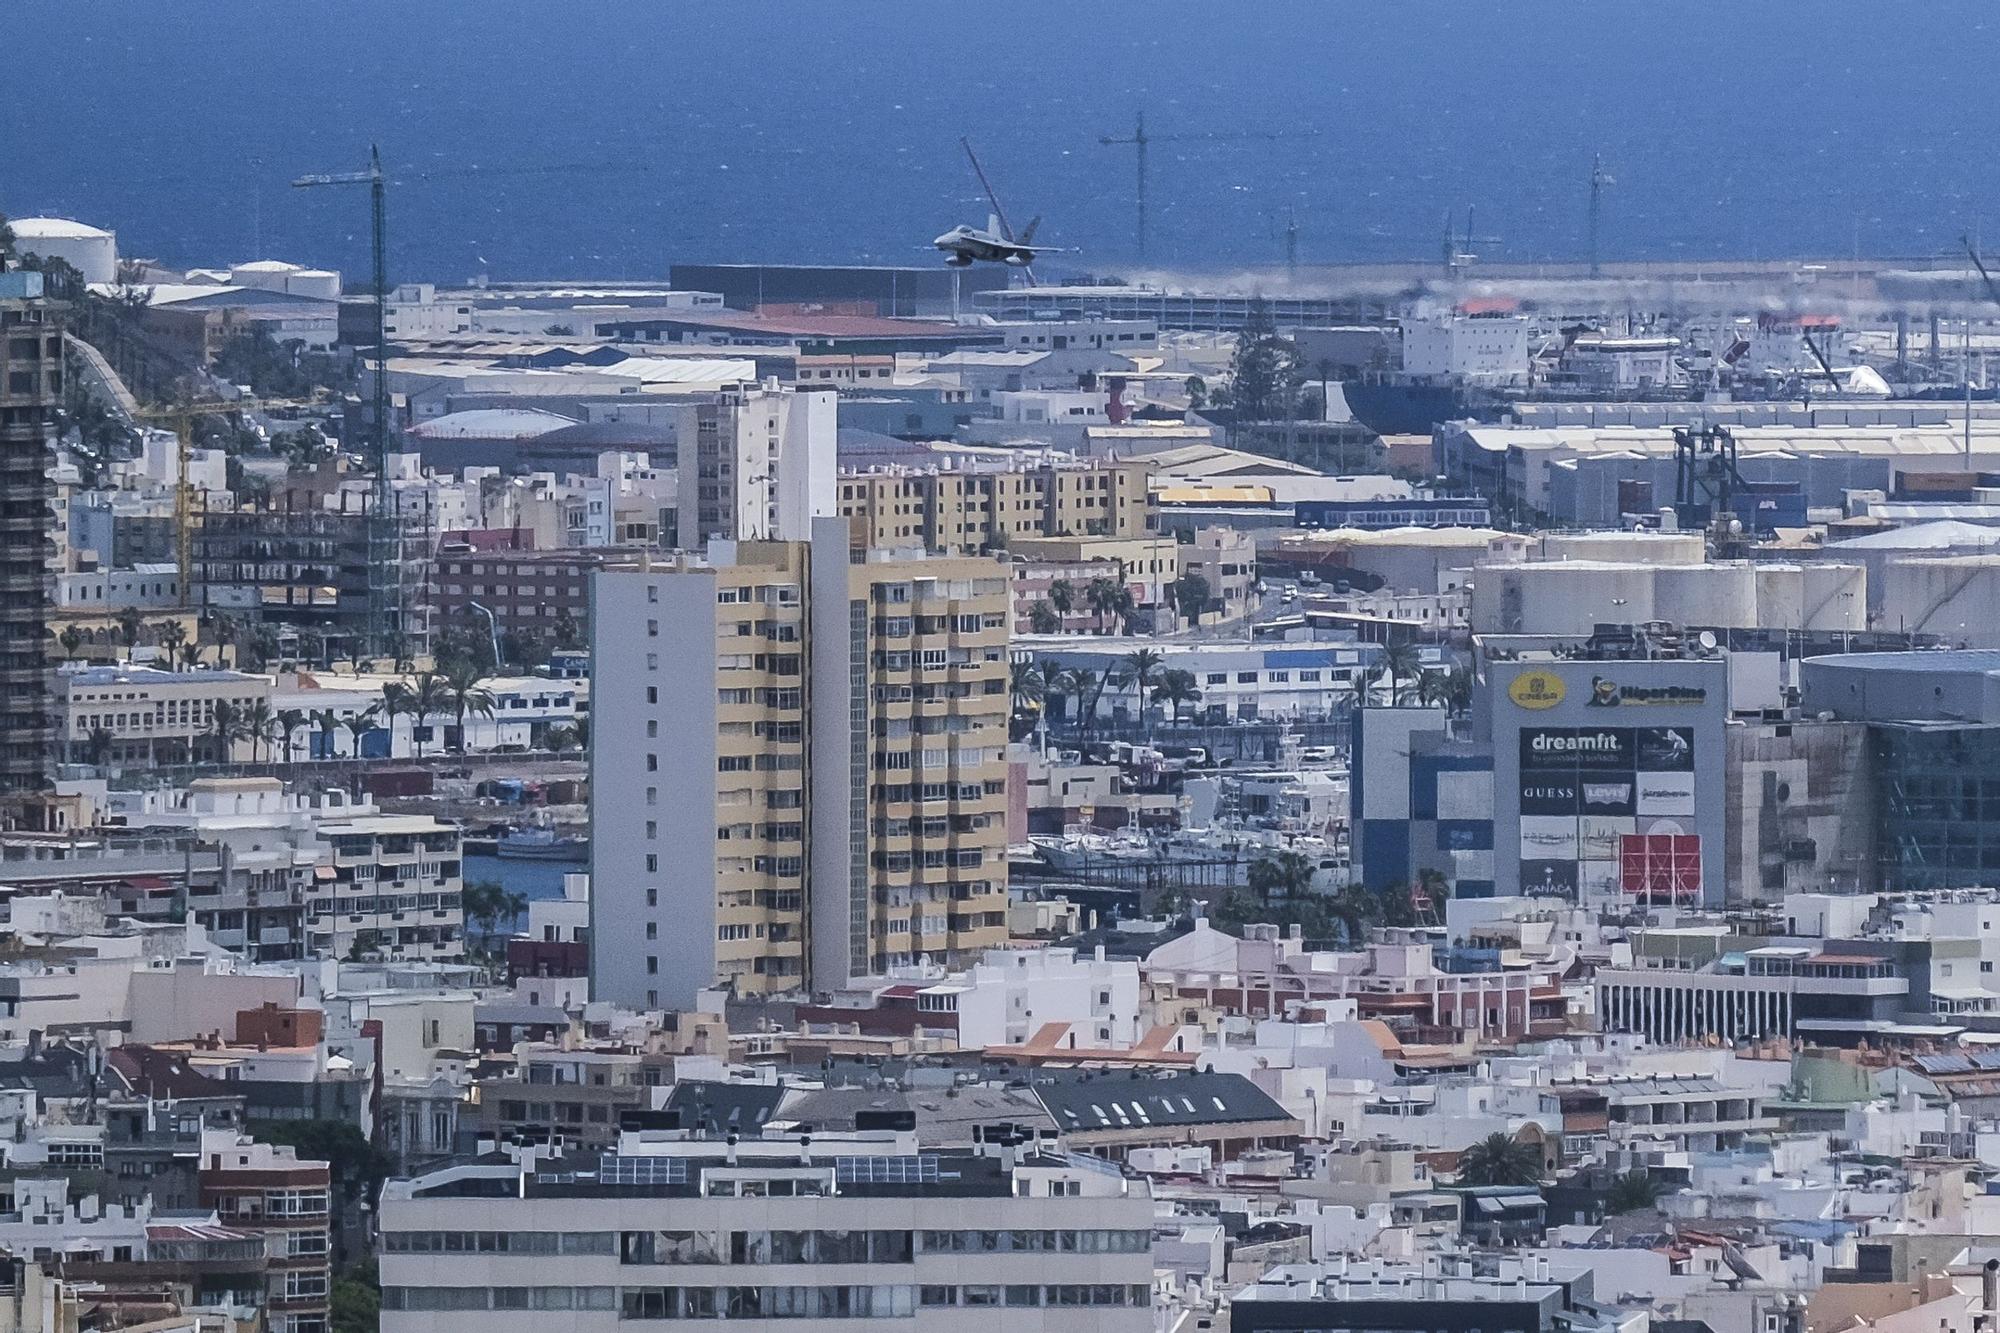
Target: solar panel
[[921, 1170], [614, 1169]]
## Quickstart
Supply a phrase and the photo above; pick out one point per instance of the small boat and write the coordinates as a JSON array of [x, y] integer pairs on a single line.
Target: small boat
[[540, 844]]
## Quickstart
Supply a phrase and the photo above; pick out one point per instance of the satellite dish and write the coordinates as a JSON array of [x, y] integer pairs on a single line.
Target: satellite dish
[[1707, 640]]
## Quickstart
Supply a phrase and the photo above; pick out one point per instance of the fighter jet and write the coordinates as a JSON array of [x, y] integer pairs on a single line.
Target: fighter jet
[[964, 246]]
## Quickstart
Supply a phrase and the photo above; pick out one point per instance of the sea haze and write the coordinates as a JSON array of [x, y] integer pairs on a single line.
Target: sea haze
[[785, 130]]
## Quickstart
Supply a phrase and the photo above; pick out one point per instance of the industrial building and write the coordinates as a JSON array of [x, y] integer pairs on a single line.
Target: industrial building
[[834, 726], [921, 292]]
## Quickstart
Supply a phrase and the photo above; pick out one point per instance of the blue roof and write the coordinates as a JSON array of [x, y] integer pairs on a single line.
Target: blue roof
[[141, 675]]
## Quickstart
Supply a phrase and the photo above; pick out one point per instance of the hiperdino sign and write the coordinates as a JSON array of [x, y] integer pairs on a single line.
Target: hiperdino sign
[[1536, 689]]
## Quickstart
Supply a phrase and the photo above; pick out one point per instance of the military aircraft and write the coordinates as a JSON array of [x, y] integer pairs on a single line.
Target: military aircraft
[[964, 246]]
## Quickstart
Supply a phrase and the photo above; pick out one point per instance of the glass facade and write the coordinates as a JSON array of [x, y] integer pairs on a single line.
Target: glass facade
[[1939, 814]]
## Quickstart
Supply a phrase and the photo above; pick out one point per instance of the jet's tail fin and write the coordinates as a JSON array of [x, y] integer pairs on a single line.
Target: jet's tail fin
[[993, 227], [1028, 233]]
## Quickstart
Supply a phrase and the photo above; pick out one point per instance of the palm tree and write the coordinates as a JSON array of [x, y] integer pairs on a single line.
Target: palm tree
[[1433, 688], [1053, 684], [1101, 595], [324, 723], [1062, 596], [563, 736], [395, 703], [1403, 664], [312, 648], [97, 747], [1042, 618], [397, 646], [130, 623], [361, 723], [1633, 1192], [71, 639], [1140, 666], [1288, 874], [1499, 1159], [1176, 688], [259, 723], [1085, 685], [289, 720], [225, 724], [461, 683], [171, 635], [430, 697], [1024, 685], [1113, 680]]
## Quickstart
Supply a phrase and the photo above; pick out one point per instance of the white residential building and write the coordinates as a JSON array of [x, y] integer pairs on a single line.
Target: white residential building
[[812, 1232], [1011, 996], [755, 464]]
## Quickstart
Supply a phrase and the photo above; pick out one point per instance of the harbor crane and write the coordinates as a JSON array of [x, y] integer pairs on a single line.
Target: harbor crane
[[1140, 141]]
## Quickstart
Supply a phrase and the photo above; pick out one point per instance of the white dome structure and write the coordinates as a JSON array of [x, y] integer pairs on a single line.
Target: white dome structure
[[92, 251]]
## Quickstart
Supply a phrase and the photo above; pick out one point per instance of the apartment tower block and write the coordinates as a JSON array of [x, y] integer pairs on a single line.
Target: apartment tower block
[[798, 768]]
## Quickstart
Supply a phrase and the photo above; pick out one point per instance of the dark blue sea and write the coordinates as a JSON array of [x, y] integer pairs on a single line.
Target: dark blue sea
[[828, 132]]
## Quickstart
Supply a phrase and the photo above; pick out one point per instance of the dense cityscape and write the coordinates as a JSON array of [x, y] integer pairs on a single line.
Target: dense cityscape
[[1447, 796]]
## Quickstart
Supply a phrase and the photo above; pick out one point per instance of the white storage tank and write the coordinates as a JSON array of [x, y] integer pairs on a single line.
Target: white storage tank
[[1836, 596], [92, 251], [319, 283], [1721, 595], [270, 275], [1954, 597], [1644, 548]]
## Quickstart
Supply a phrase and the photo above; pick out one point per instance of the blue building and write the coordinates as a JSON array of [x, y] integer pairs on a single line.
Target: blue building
[[1420, 802]]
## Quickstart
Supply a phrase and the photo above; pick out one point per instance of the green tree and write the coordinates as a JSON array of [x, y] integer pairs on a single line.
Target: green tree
[[568, 633], [354, 1301], [1190, 594], [1403, 665], [1197, 392], [462, 685], [1285, 874], [360, 723], [171, 635], [1142, 666], [71, 640], [1062, 596], [1086, 685], [259, 725], [1024, 685], [1176, 689], [225, 725], [1101, 595], [1042, 618], [1633, 1192], [1500, 1159], [397, 646], [287, 723], [131, 625], [394, 703], [429, 697], [97, 747], [324, 723], [1263, 367]]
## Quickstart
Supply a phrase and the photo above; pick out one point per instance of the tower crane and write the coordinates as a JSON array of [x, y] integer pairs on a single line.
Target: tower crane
[[1140, 140], [383, 582], [182, 417]]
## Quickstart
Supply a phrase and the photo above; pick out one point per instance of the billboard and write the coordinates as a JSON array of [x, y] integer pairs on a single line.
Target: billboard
[[1608, 808]]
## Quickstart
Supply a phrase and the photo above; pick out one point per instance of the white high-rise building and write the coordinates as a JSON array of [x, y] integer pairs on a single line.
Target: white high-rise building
[[756, 464]]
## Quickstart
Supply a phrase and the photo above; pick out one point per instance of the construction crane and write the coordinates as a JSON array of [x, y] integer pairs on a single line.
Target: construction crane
[[381, 533], [1599, 178], [183, 415], [1140, 141], [383, 615]]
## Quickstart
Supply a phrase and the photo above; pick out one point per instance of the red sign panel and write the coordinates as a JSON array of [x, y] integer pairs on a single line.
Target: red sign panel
[[1660, 864]]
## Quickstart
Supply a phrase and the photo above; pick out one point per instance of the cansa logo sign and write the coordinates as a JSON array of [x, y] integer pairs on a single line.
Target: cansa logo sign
[[1536, 689]]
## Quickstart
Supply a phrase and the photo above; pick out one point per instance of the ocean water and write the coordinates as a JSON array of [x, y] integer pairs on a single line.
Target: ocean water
[[816, 131]]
